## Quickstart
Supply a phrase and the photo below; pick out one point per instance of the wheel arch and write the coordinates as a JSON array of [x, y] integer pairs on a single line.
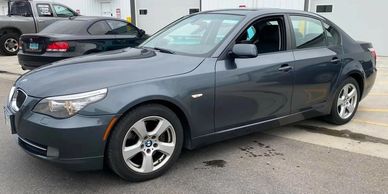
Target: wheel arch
[[360, 80], [7, 30], [164, 101]]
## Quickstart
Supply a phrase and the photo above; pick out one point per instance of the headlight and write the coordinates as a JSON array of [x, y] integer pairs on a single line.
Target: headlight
[[11, 94], [69, 105]]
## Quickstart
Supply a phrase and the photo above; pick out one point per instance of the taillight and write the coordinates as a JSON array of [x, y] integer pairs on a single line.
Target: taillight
[[373, 53], [58, 46], [20, 44]]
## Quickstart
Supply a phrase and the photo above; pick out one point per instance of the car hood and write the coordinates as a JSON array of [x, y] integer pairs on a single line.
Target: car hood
[[104, 70]]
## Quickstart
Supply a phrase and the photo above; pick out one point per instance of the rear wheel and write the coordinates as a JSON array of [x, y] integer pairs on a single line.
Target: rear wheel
[[345, 103], [145, 143], [9, 44]]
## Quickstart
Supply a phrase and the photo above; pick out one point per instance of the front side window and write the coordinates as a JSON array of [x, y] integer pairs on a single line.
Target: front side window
[[266, 34], [333, 37], [122, 28], [63, 11], [99, 28], [195, 35], [308, 32], [44, 10]]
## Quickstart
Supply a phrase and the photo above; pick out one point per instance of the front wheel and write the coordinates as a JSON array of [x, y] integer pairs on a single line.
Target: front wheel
[[145, 143], [345, 103]]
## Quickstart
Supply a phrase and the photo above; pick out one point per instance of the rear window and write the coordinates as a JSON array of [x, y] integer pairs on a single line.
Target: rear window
[[21, 8], [66, 27]]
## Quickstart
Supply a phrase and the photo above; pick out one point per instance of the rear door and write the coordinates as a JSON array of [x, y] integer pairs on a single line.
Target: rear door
[[101, 37], [126, 35], [250, 90], [317, 62]]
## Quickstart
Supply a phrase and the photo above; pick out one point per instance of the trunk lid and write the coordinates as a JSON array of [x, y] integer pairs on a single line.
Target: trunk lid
[[34, 43]]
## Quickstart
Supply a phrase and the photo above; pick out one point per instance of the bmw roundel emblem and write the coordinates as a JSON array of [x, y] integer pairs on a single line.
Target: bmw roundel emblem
[[148, 143]]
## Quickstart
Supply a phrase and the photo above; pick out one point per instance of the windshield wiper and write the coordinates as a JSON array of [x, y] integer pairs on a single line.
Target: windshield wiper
[[164, 50]]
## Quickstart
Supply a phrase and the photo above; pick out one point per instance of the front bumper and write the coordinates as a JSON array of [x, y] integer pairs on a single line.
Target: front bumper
[[75, 143], [32, 61]]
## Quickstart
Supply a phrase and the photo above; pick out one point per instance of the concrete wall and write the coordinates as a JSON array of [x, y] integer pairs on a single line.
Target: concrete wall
[[225, 4], [361, 19]]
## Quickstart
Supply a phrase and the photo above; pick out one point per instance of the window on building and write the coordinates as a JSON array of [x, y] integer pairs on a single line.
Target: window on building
[[333, 37], [143, 12], [324, 8], [44, 10], [308, 32], [122, 28], [63, 11], [99, 28], [194, 10], [267, 34]]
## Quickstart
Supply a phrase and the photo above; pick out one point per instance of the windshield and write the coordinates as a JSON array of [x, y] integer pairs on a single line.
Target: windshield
[[72, 27], [195, 35]]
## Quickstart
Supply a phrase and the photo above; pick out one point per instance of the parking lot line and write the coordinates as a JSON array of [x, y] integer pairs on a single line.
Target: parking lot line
[[371, 122], [377, 94], [372, 110]]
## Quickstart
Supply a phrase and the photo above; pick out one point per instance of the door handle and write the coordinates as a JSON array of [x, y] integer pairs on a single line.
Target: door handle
[[335, 60], [285, 68]]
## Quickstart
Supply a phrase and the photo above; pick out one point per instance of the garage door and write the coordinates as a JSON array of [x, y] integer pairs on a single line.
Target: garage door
[[363, 20], [152, 15]]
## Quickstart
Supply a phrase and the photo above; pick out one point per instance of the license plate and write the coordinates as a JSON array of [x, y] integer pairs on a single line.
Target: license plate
[[34, 46], [9, 119]]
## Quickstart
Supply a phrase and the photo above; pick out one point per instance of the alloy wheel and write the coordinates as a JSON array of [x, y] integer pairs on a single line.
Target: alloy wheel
[[347, 101], [149, 144], [11, 45]]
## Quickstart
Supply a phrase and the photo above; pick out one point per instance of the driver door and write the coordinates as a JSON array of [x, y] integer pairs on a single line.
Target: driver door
[[251, 90]]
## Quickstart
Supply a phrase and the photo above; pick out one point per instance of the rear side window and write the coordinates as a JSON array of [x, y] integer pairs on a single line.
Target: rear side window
[[121, 28], [63, 11], [99, 28], [333, 37], [44, 10], [308, 32]]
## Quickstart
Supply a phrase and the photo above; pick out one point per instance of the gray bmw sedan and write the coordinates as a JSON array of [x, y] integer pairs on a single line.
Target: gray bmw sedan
[[204, 78]]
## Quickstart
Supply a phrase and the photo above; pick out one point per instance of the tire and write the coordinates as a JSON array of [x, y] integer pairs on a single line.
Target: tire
[[348, 104], [125, 136], [9, 44]]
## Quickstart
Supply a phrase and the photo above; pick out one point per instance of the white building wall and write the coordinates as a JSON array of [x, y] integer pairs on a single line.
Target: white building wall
[[230, 4], [93, 7], [87, 7], [162, 12], [363, 20]]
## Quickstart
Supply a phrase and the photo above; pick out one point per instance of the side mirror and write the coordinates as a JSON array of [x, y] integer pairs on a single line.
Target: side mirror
[[245, 50]]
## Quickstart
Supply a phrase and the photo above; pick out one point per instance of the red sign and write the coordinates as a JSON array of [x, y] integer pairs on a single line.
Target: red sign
[[78, 11], [242, 6]]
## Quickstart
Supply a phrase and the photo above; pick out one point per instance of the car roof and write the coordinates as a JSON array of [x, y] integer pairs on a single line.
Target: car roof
[[260, 11]]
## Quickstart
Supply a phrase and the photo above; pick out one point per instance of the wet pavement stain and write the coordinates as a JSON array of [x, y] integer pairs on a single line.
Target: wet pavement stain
[[10, 73], [250, 151], [215, 163], [342, 133]]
